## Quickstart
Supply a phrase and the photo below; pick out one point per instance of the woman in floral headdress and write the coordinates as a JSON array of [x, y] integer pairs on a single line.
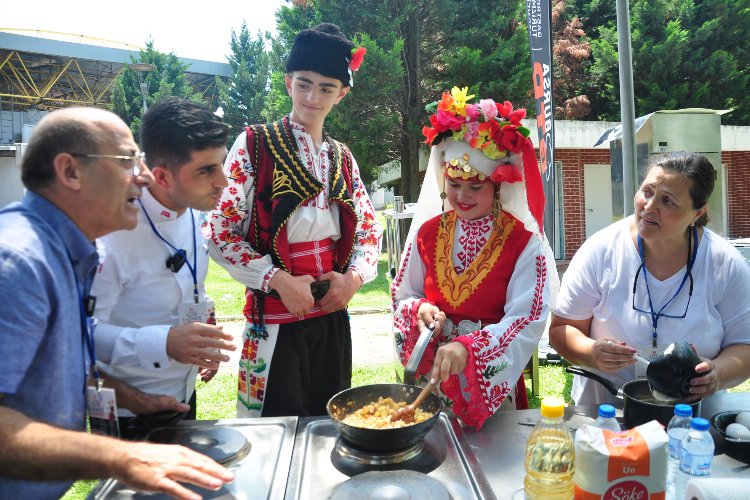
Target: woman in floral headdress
[[481, 272]]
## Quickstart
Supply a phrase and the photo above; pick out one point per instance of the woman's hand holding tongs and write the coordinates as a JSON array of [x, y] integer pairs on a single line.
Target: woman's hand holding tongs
[[429, 316]]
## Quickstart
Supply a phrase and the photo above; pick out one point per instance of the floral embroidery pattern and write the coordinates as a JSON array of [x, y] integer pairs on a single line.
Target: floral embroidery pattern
[[457, 288], [473, 235]]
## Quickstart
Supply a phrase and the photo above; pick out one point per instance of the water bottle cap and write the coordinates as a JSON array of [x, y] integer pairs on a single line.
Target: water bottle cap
[[606, 411], [553, 407], [683, 410], [699, 424]]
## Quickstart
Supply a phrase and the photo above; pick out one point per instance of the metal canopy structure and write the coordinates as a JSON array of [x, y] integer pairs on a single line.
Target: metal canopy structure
[[43, 73]]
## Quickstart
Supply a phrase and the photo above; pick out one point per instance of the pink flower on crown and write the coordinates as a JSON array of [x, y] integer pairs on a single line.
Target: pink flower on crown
[[450, 120], [488, 109], [473, 112]]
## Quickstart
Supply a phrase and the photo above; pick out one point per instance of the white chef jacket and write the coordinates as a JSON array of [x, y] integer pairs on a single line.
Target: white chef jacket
[[137, 299]]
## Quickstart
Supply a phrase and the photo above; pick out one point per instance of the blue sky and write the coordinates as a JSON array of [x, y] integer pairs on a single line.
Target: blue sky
[[190, 29]]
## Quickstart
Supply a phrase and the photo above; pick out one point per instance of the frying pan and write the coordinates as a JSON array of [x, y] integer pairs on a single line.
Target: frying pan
[[381, 440], [639, 404]]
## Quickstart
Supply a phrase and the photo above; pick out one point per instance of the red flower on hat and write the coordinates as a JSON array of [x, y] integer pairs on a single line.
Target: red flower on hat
[[505, 110], [358, 55], [511, 139], [506, 173]]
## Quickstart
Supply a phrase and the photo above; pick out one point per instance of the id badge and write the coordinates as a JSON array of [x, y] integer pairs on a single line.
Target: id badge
[[202, 312], [649, 352], [102, 409]]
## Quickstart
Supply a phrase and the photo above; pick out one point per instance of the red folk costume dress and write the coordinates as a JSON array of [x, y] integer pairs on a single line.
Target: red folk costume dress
[[288, 207], [494, 279]]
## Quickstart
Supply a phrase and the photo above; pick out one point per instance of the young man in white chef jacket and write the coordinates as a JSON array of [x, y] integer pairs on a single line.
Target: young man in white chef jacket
[[155, 327]]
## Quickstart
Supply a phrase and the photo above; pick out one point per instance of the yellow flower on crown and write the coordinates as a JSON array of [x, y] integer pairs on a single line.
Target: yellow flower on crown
[[460, 98], [455, 102]]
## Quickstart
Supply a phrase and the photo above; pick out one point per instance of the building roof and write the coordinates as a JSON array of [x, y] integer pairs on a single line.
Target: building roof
[[51, 73]]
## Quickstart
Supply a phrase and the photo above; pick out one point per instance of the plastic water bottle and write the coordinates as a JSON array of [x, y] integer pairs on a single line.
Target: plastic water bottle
[[676, 430], [550, 455], [696, 454], [606, 419]]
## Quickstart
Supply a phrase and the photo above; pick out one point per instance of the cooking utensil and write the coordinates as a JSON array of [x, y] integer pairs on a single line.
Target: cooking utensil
[[407, 412], [381, 440], [639, 404], [410, 370], [670, 372]]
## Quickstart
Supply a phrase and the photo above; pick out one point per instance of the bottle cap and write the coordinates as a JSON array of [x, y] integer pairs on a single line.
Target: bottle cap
[[553, 407], [606, 411], [683, 410], [699, 424]]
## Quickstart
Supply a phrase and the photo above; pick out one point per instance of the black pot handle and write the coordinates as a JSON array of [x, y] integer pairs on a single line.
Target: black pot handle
[[577, 370]]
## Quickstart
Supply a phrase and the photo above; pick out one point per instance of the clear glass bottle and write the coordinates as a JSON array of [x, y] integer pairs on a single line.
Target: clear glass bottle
[[696, 454], [676, 430], [550, 455], [606, 419]]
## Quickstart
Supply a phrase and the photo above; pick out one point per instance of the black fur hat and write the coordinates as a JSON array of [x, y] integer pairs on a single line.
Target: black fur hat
[[323, 49]]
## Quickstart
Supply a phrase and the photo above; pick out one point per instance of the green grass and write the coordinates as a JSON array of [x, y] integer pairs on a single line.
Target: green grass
[[375, 294], [229, 296]]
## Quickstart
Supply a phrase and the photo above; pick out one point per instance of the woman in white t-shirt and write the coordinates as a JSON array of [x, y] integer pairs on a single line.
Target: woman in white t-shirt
[[654, 278]]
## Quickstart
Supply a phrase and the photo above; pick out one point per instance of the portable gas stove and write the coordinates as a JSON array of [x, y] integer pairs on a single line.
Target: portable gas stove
[[325, 467], [257, 450]]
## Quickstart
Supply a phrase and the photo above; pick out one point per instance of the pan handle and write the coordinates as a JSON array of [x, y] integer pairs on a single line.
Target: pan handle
[[577, 370], [410, 370]]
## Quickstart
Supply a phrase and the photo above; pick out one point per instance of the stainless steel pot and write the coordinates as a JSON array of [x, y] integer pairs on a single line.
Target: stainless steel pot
[[639, 404]]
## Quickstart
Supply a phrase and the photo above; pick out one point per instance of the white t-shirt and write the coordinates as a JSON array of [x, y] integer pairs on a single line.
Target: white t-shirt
[[598, 284]]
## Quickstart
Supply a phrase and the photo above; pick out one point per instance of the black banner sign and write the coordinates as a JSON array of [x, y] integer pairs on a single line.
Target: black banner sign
[[540, 43]]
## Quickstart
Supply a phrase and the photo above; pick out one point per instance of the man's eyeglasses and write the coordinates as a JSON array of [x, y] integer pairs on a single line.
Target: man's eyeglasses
[[136, 160]]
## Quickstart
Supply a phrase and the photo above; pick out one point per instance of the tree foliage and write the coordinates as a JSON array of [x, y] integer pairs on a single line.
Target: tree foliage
[[686, 53], [243, 97], [167, 79]]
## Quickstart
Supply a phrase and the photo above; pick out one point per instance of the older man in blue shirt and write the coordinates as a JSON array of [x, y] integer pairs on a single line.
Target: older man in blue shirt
[[84, 175]]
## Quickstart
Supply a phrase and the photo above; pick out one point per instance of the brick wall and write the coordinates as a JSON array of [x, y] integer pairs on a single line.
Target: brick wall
[[573, 208], [738, 192]]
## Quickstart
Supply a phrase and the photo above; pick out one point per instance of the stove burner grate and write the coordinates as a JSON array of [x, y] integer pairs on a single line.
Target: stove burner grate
[[348, 452], [423, 457]]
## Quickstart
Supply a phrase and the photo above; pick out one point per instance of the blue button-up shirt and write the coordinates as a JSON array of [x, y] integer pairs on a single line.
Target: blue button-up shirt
[[41, 338]]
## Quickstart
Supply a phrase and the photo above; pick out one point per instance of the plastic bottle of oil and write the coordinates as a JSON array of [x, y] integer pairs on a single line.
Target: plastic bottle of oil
[[550, 455]]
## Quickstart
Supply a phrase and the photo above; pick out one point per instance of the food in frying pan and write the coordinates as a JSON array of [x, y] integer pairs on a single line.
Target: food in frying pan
[[377, 415]]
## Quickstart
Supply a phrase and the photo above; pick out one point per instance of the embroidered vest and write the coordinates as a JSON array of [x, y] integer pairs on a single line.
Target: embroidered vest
[[478, 293], [283, 183]]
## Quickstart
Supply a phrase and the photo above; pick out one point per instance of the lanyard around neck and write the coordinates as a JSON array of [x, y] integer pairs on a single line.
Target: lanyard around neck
[[691, 260], [86, 311], [194, 268]]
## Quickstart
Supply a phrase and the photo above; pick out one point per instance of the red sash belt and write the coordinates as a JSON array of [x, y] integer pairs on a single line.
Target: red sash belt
[[313, 258]]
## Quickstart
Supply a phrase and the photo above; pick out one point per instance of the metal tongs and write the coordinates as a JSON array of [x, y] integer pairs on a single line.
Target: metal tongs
[[410, 370]]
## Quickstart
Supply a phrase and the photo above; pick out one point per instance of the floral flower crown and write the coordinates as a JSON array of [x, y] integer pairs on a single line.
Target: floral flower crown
[[491, 127]]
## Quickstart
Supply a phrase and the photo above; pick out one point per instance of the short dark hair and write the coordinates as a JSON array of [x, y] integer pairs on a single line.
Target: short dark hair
[[174, 127], [695, 167], [61, 134]]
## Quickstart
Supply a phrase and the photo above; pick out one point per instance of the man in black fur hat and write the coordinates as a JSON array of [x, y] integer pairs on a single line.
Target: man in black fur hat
[[296, 227]]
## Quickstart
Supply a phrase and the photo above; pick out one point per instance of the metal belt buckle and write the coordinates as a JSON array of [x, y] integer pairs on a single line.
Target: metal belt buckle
[[464, 327]]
